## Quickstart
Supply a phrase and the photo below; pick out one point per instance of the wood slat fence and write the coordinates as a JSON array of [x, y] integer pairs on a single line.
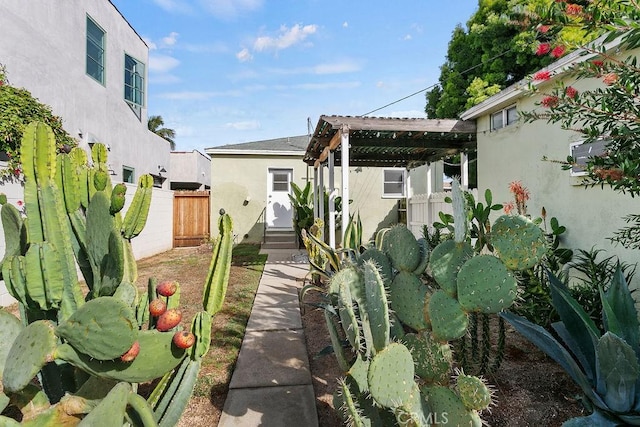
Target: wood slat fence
[[190, 218]]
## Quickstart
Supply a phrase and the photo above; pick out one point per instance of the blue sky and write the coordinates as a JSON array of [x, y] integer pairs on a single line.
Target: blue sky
[[231, 71]]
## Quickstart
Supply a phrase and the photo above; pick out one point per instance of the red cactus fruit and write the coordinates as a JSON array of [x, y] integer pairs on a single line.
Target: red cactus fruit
[[167, 288], [157, 307], [184, 339], [169, 319], [132, 353]]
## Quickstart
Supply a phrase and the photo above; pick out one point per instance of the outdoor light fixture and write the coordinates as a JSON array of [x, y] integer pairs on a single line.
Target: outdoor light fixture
[[161, 169]]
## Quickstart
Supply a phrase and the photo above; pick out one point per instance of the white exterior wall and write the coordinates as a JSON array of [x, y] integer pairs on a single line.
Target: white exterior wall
[[515, 152], [43, 46], [191, 168]]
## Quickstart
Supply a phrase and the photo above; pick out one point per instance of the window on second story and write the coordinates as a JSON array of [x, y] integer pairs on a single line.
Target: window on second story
[[134, 83], [504, 117], [95, 51], [128, 175], [393, 185]]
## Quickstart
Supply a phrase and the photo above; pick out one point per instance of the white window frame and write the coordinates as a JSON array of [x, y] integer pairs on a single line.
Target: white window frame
[[597, 147], [400, 195], [506, 120]]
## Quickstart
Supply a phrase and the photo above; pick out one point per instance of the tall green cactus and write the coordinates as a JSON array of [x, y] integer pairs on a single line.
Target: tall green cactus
[[89, 352]]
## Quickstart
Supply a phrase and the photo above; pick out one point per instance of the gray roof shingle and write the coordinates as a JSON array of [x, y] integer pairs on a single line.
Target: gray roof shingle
[[289, 143]]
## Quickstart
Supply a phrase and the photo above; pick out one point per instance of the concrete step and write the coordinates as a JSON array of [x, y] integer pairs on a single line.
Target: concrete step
[[280, 239]]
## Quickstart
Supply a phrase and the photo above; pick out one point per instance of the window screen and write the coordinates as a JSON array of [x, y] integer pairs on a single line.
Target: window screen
[[281, 181], [581, 153], [393, 182]]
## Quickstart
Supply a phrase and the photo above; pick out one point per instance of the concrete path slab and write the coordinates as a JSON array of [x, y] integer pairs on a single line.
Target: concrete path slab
[[270, 407], [271, 383]]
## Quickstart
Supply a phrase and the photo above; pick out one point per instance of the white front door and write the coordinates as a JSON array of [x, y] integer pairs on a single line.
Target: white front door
[[279, 209]]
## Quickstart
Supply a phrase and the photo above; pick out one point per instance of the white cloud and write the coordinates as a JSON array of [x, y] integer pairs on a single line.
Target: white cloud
[[179, 6], [244, 55], [345, 24], [171, 39], [194, 96], [326, 86], [244, 125], [162, 63], [337, 67], [286, 38], [229, 9], [407, 37], [150, 43]]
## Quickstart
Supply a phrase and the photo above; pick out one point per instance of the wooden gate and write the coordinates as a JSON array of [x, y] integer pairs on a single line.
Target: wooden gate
[[190, 218]]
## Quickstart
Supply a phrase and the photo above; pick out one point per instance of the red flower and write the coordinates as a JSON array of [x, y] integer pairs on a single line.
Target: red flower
[[573, 9], [543, 49], [571, 92], [598, 63], [557, 51], [508, 207], [19, 203], [549, 101], [544, 28], [542, 75], [610, 79]]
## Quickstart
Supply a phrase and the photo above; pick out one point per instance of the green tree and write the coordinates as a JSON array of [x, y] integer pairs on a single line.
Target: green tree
[[493, 48], [17, 109], [155, 125]]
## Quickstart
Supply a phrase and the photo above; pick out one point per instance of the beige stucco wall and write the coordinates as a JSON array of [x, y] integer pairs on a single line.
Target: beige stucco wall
[[236, 177], [516, 152]]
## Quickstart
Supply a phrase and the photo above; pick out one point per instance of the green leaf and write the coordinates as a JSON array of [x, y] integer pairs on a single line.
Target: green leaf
[[578, 323], [619, 312], [617, 372]]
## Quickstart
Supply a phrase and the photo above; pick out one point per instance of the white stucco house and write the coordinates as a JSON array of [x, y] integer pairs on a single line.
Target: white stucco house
[[87, 62], [252, 180]]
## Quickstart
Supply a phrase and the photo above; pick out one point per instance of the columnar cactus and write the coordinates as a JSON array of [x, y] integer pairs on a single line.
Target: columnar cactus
[[88, 352], [398, 361]]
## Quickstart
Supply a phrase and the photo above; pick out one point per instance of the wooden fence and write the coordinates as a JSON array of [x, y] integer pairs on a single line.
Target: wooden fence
[[190, 218]]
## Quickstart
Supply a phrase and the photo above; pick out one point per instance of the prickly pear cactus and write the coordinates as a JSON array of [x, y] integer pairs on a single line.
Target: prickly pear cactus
[[88, 352], [398, 359]]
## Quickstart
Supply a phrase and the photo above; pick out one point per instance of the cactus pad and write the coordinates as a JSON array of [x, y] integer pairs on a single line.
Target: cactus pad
[[485, 285], [432, 359], [31, 350], [446, 259], [447, 408], [377, 309], [10, 328], [407, 294], [402, 248], [390, 376], [358, 373], [103, 328], [519, 243], [473, 392], [381, 260], [448, 321]]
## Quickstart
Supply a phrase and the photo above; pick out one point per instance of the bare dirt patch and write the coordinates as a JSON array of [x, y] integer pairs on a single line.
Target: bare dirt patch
[[531, 389]]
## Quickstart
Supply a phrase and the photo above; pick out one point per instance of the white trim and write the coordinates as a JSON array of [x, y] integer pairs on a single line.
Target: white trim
[[404, 184], [254, 152]]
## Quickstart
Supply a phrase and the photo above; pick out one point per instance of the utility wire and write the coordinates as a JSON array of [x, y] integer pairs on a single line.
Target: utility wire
[[468, 70]]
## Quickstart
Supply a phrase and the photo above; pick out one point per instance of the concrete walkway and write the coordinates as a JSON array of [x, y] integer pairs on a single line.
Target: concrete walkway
[[271, 384]]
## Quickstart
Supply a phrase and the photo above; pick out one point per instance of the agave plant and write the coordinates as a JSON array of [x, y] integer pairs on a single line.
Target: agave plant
[[604, 365]]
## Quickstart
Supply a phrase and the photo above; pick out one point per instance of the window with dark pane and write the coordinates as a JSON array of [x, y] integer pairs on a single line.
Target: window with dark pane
[[128, 174], [133, 81], [394, 182], [95, 51], [281, 181]]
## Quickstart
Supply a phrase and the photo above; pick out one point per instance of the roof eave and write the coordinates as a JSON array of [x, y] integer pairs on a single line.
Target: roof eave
[[234, 152]]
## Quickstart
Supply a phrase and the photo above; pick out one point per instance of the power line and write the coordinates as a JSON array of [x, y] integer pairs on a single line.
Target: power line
[[468, 70]]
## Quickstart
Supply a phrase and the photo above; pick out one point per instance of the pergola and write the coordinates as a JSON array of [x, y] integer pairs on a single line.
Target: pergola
[[380, 142]]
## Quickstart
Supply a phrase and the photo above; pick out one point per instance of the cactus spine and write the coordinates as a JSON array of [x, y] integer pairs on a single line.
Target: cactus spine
[[73, 345]]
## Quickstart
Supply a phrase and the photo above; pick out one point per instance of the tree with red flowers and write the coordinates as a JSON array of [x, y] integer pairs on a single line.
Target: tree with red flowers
[[612, 111]]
